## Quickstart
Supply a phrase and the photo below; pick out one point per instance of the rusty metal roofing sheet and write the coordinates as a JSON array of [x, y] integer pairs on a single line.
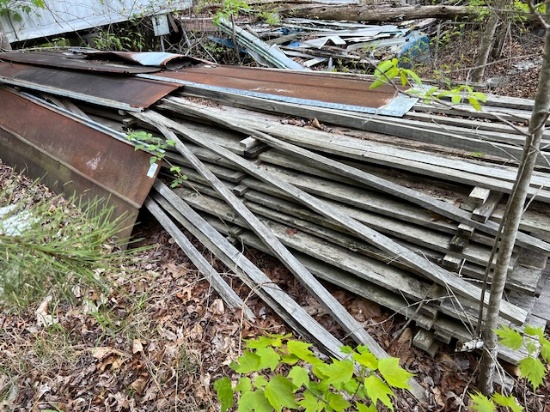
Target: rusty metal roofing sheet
[[159, 60], [73, 61], [121, 92], [72, 155], [320, 90]]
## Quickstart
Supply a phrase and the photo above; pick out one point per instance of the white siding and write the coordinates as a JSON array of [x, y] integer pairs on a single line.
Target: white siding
[[64, 16]]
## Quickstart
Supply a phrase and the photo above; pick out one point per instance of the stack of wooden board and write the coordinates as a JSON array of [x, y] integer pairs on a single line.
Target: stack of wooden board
[[402, 211]]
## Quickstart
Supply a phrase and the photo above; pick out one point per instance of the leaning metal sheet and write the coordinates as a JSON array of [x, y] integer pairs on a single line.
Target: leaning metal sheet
[[115, 91], [73, 61], [310, 89], [71, 156]]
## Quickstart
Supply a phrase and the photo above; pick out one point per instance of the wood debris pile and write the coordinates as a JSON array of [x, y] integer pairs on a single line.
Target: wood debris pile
[[399, 210]]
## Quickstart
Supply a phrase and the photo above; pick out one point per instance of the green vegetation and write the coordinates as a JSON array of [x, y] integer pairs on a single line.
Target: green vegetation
[[157, 146], [534, 367], [16, 9], [58, 249], [286, 373]]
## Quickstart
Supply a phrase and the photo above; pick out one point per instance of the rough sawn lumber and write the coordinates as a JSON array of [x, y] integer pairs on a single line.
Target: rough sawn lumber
[[419, 263]]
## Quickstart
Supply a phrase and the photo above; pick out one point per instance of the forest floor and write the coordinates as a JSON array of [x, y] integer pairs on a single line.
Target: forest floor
[[163, 336]]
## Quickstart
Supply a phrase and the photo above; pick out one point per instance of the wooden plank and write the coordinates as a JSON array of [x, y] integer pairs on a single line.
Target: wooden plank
[[212, 276], [287, 308], [325, 299], [383, 185], [425, 340], [369, 123], [479, 195], [420, 264], [373, 271], [483, 212]]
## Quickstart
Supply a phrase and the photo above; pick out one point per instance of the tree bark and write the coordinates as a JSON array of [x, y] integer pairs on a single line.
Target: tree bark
[[4, 42], [499, 14], [513, 217], [372, 13]]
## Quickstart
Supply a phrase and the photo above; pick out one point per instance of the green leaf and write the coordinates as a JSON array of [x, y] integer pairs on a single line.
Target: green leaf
[[383, 67], [534, 331], [260, 382], [365, 358], [311, 403], [269, 358], [299, 376], [394, 374], [377, 390], [415, 77], [392, 72], [361, 407], [244, 385], [378, 82], [338, 372], [248, 362], [481, 403], [346, 349], [456, 98], [280, 392], [532, 369], [509, 337], [507, 401], [265, 341], [531, 346], [225, 392], [301, 349], [337, 402], [474, 103], [545, 349], [404, 79], [254, 401]]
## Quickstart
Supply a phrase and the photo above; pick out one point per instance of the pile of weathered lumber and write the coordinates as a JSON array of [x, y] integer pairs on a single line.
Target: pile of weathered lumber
[[407, 224], [401, 211]]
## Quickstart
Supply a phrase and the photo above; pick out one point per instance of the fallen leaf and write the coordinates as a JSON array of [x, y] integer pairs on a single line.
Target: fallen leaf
[[137, 346], [43, 318], [217, 307], [139, 385]]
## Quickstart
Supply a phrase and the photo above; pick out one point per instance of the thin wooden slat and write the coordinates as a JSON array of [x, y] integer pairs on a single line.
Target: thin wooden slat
[[212, 276], [420, 264], [286, 307], [327, 300], [442, 208]]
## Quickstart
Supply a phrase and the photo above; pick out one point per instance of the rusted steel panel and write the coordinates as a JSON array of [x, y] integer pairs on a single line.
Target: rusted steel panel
[[72, 156], [73, 61], [128, 93], [311, 86], [159, 60]]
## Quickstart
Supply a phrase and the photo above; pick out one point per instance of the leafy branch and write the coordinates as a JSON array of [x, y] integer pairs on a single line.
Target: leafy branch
[[533, 367], [157, 146], [388, 70], [360, 381]]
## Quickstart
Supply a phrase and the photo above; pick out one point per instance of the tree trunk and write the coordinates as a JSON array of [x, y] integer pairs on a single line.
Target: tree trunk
[[371, 13], [485, 47], [4, 42], [500, 13], [512, 219]]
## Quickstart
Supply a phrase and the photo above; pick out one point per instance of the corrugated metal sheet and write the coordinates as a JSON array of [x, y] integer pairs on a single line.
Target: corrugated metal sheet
[[64, 16], [120, 92], [309, 89], [74, 61], [70, 155]]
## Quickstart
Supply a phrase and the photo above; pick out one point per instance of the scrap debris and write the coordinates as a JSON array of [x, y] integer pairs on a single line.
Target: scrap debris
[[400, 207]]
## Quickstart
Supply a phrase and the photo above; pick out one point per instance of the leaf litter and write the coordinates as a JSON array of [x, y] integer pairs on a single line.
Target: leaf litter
[[159, 337]]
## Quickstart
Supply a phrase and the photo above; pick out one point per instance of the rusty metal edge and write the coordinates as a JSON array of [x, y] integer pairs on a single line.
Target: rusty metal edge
[[73, 95], [27, 158]]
